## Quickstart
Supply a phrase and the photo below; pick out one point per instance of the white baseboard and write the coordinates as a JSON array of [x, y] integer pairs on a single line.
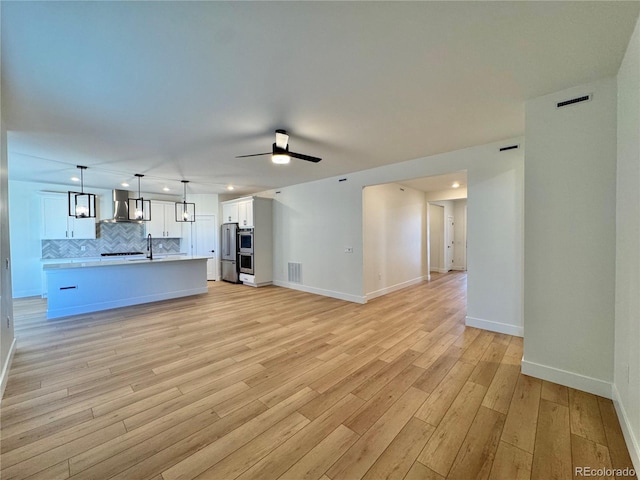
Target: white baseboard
[[633, 443], [5, 370], [320, 291], [27, 293], [458, 268], [567, 378], [396, 287], [492, 326]]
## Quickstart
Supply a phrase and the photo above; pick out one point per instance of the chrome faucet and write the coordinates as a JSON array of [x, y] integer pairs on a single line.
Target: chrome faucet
[[150, 247]]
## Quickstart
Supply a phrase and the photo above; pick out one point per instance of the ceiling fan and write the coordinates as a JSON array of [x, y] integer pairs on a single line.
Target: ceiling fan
[[280, 153]]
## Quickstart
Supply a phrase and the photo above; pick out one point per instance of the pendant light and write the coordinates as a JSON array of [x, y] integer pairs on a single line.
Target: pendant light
[[185, 212], [139, 208], [81, 204]]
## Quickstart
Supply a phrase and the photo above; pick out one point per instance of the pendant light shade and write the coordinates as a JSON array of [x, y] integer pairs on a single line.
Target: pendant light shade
[[81, 204], [185, 212], [139, 208]]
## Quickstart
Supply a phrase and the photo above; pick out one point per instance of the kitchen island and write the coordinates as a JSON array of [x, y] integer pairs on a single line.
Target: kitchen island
[[83, 287]]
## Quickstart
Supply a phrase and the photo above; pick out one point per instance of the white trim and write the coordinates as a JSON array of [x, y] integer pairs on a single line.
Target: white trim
[[320, 291], [458, 268], [396, 287], [34, 292], [5, 370], [567, 378], [633, 444], [494, 326]]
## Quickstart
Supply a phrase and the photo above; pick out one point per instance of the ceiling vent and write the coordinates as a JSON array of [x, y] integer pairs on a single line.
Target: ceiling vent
[[510, 147], [573, 101]]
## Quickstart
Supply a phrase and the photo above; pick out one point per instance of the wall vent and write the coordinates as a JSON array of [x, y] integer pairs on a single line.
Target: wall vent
[[295, 272], [510, 147], [572, 101]]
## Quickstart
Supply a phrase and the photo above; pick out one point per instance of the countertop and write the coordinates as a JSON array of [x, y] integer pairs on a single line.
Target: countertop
[[113, 263]]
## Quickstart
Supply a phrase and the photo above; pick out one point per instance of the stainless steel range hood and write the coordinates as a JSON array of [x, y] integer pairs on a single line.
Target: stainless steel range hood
[[120, 208]]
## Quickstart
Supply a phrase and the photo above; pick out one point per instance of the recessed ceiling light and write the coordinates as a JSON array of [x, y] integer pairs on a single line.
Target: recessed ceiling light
[[230, 187], [75, 179], [455, 185], [124, 184], [166, 189]]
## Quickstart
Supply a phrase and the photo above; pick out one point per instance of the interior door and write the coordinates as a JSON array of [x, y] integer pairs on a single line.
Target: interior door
[[450, 242], [206, 229]]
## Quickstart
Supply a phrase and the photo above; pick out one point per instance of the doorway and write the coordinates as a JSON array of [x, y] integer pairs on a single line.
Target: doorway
[[204, 241]]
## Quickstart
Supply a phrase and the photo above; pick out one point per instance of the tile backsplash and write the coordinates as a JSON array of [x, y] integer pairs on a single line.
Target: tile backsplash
[[110, 237]]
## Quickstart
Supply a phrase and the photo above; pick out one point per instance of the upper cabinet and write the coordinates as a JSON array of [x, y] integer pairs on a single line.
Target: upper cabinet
[[230, 212], [56, 222], [163, 220], [245, 213], [238, 211]]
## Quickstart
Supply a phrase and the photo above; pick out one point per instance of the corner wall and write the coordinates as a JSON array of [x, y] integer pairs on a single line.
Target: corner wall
[[570, 196], [626, 375], [7, 338], [395, 244]]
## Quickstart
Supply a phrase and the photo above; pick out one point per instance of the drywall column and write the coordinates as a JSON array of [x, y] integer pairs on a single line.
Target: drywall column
[[569, 254], [7, 340], [626, 389]]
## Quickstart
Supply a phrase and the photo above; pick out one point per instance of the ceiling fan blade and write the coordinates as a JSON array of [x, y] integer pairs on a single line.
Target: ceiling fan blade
[[253, 155], [282, 139], [308, 158]]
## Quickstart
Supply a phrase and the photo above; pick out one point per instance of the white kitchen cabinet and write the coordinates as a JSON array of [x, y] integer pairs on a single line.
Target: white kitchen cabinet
[[58, 225], [245, 213], [255, 213], [230, 212], [239, 211], [163, 221]]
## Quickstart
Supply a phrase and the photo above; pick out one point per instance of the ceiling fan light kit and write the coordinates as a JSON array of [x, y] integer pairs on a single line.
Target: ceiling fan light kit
[[280, 153]]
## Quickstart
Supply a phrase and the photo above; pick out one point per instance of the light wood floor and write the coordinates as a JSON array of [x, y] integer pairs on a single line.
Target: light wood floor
[[272, 383]]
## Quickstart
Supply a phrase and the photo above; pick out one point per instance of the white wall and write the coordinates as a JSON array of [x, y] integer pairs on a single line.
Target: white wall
[[570, 195], [394, 243], [7, 339], [460, 234], [436, 238], [495, 244], [315, 221], [626, 392]]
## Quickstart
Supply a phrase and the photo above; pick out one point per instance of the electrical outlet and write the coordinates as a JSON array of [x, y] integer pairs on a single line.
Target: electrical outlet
[[160, 245], [82, 248], [379, 276], [348, 249], [8, 321]]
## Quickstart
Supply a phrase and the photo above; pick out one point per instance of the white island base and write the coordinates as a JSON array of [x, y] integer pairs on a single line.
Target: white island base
[[76, 288]]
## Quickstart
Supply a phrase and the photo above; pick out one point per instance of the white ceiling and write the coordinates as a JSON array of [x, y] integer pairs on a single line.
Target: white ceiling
[[178, 89], [439, 183]]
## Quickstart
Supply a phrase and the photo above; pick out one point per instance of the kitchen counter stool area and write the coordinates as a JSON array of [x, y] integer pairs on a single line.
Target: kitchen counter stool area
[[84, 287]]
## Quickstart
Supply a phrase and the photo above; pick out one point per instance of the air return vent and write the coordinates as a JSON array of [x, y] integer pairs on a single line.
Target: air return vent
[[510, 147], [295, 272], [573, 101]]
